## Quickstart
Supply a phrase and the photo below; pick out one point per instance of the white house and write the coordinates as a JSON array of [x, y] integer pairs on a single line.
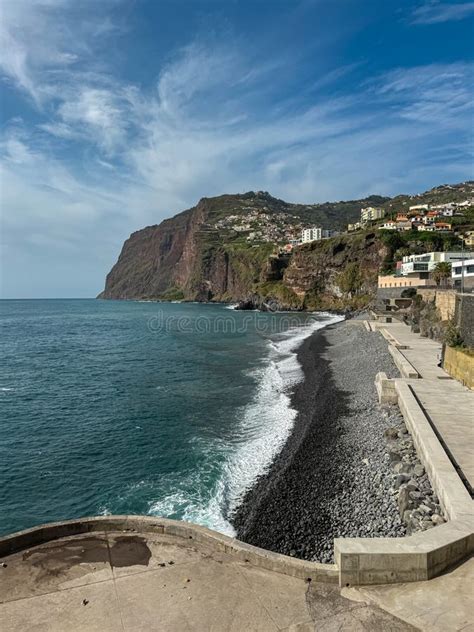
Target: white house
[[370, 213], [462, 273], [427, 262], [419, 207], [388, 226], [311, 234]]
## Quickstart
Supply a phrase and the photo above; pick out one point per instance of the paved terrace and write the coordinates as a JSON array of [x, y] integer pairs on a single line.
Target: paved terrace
[[448, 405], [116, 581]]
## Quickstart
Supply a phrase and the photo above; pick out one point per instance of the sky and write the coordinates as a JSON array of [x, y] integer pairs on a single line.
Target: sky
[[119, 113]]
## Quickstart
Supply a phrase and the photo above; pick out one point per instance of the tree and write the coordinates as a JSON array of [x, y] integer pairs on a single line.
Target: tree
[[442, 272]]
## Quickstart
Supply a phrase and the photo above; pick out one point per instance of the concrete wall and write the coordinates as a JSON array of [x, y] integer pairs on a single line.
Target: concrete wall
[[191, 534], [460, 365], [445, 300], [464, 317], [384, 294]]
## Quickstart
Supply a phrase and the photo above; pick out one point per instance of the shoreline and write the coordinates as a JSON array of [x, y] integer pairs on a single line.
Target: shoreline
[[346, 312], [332, 478]]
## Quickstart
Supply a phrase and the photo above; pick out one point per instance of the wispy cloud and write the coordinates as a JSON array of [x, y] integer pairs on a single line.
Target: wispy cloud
[[105, 156], [434, 12]]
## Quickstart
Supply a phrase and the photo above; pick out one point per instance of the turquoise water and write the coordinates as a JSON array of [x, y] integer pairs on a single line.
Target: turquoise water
[[139, 407]]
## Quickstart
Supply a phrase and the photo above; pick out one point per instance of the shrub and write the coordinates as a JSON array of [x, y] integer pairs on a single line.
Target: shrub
[[452, 336], [350, 280]]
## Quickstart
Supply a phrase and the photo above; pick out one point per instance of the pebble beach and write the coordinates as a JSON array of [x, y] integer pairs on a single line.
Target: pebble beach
[[335, 475]]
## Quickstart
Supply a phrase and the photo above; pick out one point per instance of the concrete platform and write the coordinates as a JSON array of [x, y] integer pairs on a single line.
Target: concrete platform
[[441, 604], [118, 581]]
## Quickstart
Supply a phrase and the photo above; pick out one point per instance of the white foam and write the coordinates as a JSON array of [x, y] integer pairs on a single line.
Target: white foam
[[264, 427]]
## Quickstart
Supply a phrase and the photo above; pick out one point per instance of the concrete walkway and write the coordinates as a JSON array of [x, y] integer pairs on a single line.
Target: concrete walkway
[[423, 353], [448, 404], [442, 604], [116, 581]]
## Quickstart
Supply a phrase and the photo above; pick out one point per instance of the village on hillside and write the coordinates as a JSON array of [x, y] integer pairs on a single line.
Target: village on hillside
[[450, 219]]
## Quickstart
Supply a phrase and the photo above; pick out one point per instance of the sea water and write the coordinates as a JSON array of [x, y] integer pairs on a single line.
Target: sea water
[[129, 407]]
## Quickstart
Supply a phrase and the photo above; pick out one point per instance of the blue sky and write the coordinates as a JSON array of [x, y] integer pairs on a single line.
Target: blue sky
[[119, 113]]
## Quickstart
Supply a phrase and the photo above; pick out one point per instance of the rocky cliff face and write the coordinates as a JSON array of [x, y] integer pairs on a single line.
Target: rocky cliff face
[[186, 257], [336, 273]]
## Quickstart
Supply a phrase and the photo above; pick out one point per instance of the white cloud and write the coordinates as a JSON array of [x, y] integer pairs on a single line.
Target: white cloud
[[434, 12], [108, 157], [433, 94]]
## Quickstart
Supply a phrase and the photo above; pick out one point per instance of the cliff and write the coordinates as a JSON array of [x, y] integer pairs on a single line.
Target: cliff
[[198, 255]]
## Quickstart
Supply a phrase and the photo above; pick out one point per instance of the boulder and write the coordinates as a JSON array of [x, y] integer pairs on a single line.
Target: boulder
[[418, 470], [404, 501], [391, 434], [436, 519]]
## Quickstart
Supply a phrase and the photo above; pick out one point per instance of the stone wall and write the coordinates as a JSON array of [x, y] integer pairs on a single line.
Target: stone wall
[[460, 365], [464, 317], [444, 299]]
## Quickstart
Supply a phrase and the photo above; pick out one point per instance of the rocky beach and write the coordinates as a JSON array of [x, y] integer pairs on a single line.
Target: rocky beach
[[349, 468]]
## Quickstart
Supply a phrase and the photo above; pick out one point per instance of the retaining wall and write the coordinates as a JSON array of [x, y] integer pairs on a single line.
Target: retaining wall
[[444, 299], [460, 365], [464, 317]]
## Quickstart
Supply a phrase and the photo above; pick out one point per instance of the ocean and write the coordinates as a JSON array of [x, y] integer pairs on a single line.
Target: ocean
[[130, 407]]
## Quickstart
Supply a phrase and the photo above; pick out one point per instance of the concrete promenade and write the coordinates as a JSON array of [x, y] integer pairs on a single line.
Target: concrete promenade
[[448, 405], [446, 602], [116, 581]]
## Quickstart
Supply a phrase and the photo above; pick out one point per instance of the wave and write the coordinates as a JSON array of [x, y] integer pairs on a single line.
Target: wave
[[264, 426]]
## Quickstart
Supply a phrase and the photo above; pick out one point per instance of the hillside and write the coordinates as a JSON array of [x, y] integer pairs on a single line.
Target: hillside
[[438, 195], [227, 248]]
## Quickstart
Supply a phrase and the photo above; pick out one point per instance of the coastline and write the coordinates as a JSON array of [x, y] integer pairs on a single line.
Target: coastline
[[332, 477]]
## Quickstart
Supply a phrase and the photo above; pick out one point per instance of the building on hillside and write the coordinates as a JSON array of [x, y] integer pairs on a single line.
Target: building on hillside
[[311, 234], [432, 227], [327, 233], [393, 281], [371, 213], [462, 273], [401, 226], [401, 217], [352, 227], [469, 239], [442, 226], [426, 263], [390, 225], [419, 207]]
